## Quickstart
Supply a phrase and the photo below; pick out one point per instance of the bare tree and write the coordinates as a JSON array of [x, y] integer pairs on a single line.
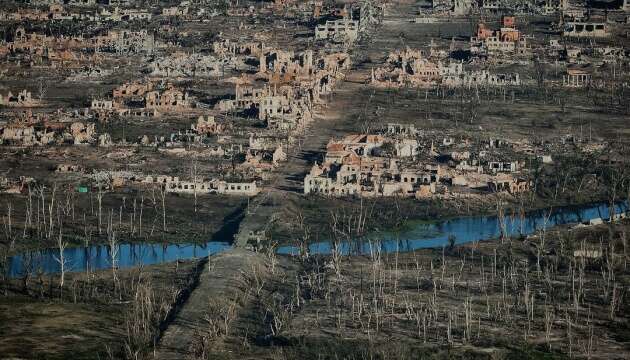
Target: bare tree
[[61, 260], [195, 179], [99, 198], [113, 250], [162, 192]]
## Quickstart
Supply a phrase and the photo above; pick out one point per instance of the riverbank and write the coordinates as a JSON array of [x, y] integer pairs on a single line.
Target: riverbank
[[136, 218], [423, 234], [313, 217]]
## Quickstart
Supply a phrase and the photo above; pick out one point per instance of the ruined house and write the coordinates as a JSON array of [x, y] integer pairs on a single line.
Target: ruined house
[[133, 90], [508, 184], [406, 163], [246, 97], [406, 68], [491, 5], [285, 112], [18, 135], [207, 126], [102, 105], [455, 7], [369, 177], [359, 144], [228, 47], [343, 30], [551, 7], [21, 99], [175, 185], [352, 167], [463, 7], [278, 105], [139, 112], [82, 133], [119, 14], [586, 29], [175, 11], [105, 140], [442, 5], [314, 77], [506, 40], [261, 160], [103, 108], [483, 78], [168, 100], [503, 166], [406, 148], [192, 65], [67, 2], [401, 129], [15, 185], [54, 12], [81, 2], [410, 68], [286, 65], [126, 41], [87, 73], [52, 132]]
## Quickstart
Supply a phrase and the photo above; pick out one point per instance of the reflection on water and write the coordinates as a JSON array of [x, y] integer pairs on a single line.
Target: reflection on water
[[465, 229], [99, 256], [462, 230]]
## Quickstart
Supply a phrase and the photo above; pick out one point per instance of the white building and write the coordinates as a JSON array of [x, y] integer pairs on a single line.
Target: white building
[[577, 78], [586, 29], [338, 30]]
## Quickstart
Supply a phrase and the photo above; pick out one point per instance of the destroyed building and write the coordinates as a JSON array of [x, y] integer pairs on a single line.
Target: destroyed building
[[351, 168], [409, 68], [192, 65], [343, 31], [506, 40], [577, 78], [263, 160], [21, 99], [207, 126], [170, 99], [586, 29], [212, 187], [406, 163], [119, 14], [483, 78], [282, 106], [132, 90], [126, 41]]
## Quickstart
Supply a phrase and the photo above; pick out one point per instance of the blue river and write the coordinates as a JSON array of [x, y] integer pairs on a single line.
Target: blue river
[[417, 236]]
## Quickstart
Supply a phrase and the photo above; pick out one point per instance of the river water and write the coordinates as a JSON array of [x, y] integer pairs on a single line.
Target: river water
[[416, 236], [466, 229]]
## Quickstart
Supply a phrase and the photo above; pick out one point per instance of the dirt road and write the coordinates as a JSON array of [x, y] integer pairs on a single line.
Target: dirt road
[[220, 279]]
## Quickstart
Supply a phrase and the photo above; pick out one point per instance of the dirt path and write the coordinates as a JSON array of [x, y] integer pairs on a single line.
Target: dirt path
[[220, 279]]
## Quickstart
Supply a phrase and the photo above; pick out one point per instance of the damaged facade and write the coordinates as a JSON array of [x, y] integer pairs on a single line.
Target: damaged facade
[[404, 162], [410, 68], [343, 30]]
